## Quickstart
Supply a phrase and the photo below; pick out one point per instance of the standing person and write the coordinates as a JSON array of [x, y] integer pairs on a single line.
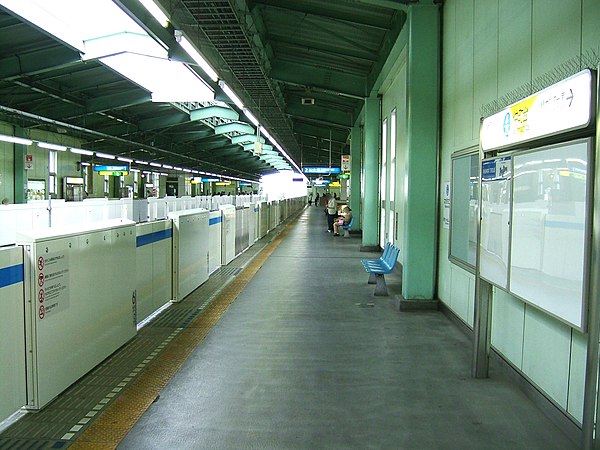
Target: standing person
[[331, 213], [317, 199], [310, 199]]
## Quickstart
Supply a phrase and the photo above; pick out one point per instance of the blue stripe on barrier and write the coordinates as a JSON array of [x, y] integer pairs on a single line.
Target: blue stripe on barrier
[[215, 220], [11, 275], [153, 237]]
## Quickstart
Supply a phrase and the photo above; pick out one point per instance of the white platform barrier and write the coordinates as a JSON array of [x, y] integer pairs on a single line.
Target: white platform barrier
[[74, 318], [252, 223], [13, 389], [190, 251], [263, 219], [215, 222], [242, 216], [227, 234], [154, 268]]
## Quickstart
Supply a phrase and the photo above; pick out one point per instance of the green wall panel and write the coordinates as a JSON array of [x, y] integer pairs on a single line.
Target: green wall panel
[[546, 353], [485, 51], [590, 38], [556, 34], [507, 326], [459, 299], [448, 79], [514, 45], [577, 375], [464, 73]]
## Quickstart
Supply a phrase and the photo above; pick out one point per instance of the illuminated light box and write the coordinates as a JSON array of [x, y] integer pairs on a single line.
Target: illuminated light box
[[321, 170], [564, 106], [114, 170]]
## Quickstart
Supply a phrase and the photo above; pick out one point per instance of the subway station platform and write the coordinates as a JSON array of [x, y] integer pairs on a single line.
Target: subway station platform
[[287, 348]]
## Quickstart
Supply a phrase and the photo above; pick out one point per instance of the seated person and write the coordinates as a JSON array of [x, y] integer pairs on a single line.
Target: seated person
[[345, 220]]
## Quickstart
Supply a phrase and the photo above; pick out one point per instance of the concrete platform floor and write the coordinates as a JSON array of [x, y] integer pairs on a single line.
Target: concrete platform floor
[[301, 361]]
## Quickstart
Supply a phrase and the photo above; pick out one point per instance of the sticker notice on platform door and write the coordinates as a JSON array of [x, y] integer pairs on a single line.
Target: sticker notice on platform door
[[52, 284]]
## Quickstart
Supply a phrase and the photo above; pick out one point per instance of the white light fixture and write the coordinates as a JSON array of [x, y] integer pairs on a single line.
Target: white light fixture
[[134, 170], [156, 12], [104, 155], [153, 164], [59, 148], [85, 164], [198, 58], [232, 96], [120, 158], [168, 81], [80, 151], [15, 140], [138, 161], [187, 170], [178, 168], [167, 166], [251, 117], [163, 174]]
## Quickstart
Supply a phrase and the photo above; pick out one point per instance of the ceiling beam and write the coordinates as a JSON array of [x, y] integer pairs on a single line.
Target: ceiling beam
[[399, 5], [37, 62]]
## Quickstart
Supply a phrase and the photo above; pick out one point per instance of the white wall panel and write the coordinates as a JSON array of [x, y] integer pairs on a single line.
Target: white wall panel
[[459, 299], [80, 311], [12, 343]]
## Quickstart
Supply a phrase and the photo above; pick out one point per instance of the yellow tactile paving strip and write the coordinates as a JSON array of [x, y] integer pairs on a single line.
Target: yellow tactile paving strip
[[120, 416]]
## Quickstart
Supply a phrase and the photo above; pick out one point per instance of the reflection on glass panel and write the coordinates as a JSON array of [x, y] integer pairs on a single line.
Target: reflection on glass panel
[[464, 213], [548, 229]]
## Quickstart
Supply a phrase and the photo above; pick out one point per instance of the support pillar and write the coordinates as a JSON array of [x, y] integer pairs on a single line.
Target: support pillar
[[423, 97], [370, 204], [355, 166], [20, 178]]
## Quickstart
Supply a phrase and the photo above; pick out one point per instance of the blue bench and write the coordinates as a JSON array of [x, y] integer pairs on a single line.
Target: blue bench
[[378, 268], [347, 227]]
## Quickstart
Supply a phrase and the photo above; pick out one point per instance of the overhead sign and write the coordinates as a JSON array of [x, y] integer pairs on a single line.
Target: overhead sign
[[321, 170], [564, 106], [345, 163], [115, 170], [28, 162], [344, 176], [210, 180]]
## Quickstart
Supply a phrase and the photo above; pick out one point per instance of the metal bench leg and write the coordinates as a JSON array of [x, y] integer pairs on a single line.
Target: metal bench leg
[[372, 279], [381, 287]]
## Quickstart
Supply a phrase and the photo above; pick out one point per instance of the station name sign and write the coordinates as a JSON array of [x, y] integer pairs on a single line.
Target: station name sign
[[321, 170], [562, 107], [115, 170]]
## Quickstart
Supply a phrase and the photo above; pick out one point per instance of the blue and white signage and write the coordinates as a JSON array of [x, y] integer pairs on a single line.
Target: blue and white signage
[[496, 169], [564, 106], [321, 170]]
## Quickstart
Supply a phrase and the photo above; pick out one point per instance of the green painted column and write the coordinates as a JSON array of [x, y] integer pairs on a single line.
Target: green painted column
[[355, 166], [370, 170], [20, 179], [423, 99]]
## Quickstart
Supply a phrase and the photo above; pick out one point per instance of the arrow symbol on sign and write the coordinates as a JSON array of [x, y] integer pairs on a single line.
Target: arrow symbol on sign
[[570, 97]]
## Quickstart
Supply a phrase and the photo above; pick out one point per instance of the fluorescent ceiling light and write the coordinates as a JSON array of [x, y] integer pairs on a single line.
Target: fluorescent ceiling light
[[162, 174], [144, 163], [166, 166], [168, 81], [198, 58], [104, 155], [15, 140], [120, 158], [134, 170], [178, 168], [251, 117], [60, 148], [264, 131], [153, 164], [85, 164], [156, 12], [80, 151], [188, 170], [229, 92]]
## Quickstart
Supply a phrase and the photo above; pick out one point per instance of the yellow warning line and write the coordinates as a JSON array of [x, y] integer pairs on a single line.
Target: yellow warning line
[[121, 416]]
